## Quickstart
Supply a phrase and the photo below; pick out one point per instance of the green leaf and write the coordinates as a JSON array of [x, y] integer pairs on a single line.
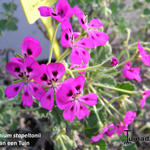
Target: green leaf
[[102, 115], [148, 1], [3, 24], [92, 120], [9, 6], [126, 86], [137, 5], [11, 26], [102, 144], [130, 147], [2, 132], [146, 11], [89, 132], [108, 81], [113, 6], [1, 94]]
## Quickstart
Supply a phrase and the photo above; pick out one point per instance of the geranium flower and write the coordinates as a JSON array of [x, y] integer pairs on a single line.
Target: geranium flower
[[114, 61], [144, 56], [99, 38], [108, 130], [68, 98], [119, 128], [79, 54], [25, 71], [30, 47], [63, 11], [50, 76], [131, 73], [145, 95]]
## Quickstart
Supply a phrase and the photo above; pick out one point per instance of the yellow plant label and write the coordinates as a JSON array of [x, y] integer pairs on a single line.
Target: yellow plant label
[[30, 8]]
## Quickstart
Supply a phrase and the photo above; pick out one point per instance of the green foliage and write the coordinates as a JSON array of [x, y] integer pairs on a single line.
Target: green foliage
[[130, 147], [126, 86], [102, 144], [8, 21], [137, 5]]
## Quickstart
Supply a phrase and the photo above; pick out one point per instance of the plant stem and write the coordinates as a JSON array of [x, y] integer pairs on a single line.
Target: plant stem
[[116, 89], [92, 67], [8, 101], [65, 54], [70, 72], [109, 105], [53, 42]]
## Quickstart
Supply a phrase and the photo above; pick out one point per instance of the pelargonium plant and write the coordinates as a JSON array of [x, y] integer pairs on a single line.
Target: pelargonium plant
[[72, 85]]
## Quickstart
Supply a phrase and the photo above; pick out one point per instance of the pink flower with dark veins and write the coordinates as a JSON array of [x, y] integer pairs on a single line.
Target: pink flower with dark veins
[[131, 73], [108, 130], [99, 38], [114, 61], [63, 11], [79, 54], [50, 76], [25, 71], [145, 95], [30, 47], [68, 98], [143, 54]]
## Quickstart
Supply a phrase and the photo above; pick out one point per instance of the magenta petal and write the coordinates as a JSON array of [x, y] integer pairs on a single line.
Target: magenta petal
[[75, 56], [43, 77], [90, 99], [13, 90], [120, 128], [76, 34], [27, 97], [64, 94], [99, 38], [17, 59], [142, 51], [78, 84], [36, 90], [82, 110], [142, 102], [85, 43], [31, 47], [129, 117], [70, 112], [45, 11], [64, 10], [95, 23], [66, 25], [14, 68], [99, 136], [81, 17], [56, 71], [111, 130], [131, 73], [31, 68], [66, 38], [47, 100]]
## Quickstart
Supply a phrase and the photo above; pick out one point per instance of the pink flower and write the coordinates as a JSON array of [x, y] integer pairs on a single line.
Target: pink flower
[[129, 117], [50, 76], [63, 11], [99, 38], [26, 72], [79, 54], [145, 95], [144, 56], [30, 47], [131, 73], [108, 130], [120, 128], [68, 98], [114, 61]]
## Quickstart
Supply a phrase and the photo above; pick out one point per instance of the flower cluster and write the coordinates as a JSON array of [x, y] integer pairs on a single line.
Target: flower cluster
[[49, 83], [119, 128]]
